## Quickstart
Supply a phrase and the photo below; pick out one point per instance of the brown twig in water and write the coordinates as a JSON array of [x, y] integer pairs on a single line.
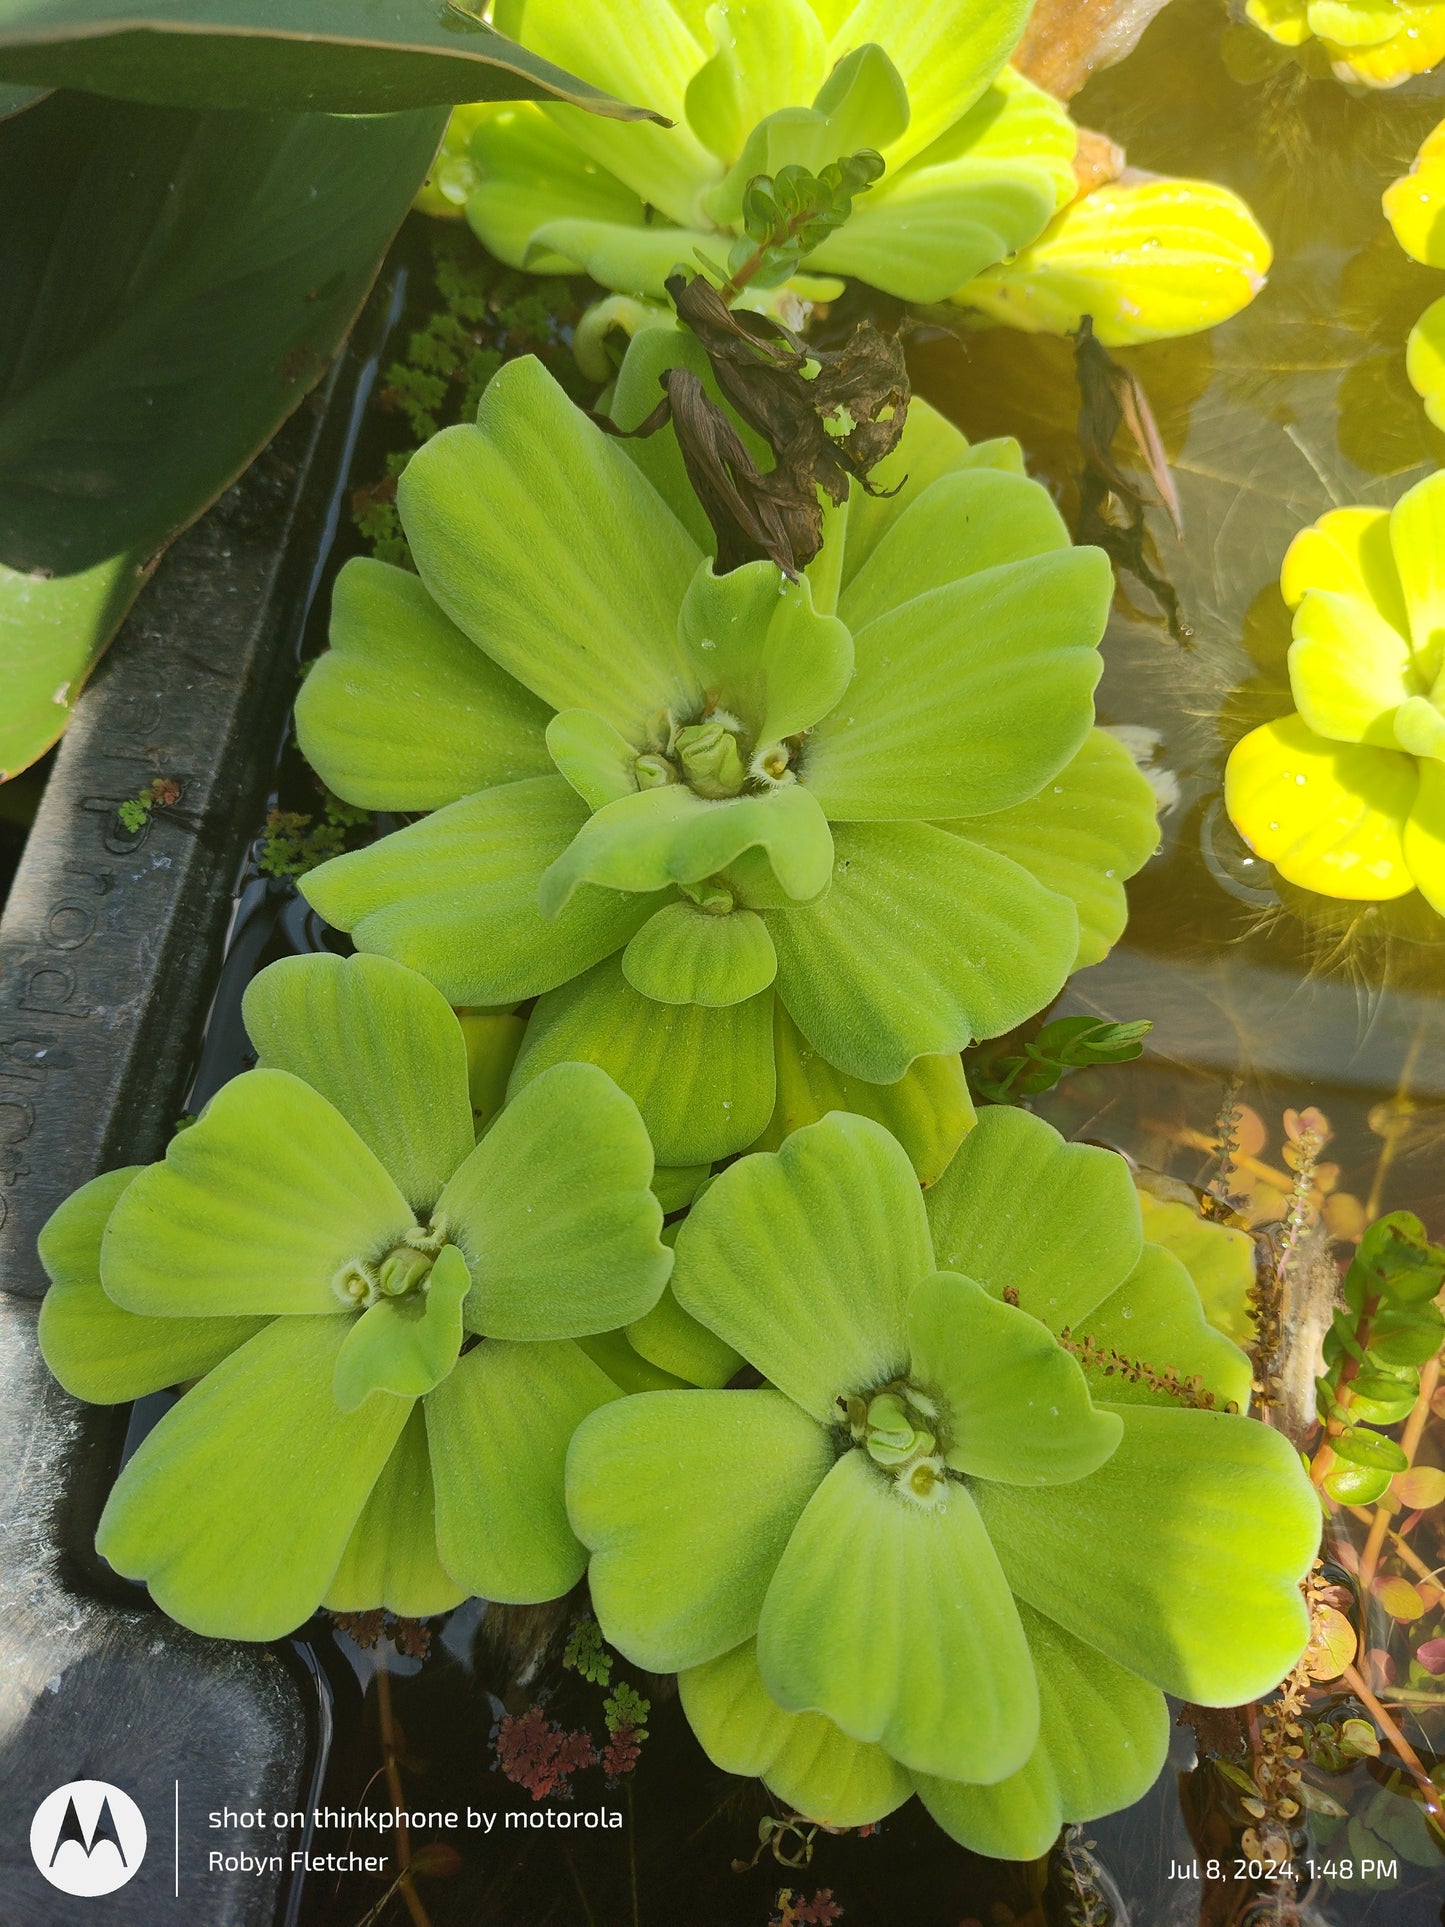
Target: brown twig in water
[[1406, 1753]]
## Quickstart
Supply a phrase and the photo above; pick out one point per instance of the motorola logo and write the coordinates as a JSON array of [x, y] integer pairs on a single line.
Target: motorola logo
[[88, 1838]]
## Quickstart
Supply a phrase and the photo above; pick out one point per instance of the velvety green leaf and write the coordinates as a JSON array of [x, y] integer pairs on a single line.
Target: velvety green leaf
[[455, 896], [589, 622], [675, 1185], [1020, 1208], [637, 260], [405, 1345], [391, 1558], [403, 712], [966, 521], [597, 760], [237, 1508], [498, 1428], [1156, 1316], [664, 836], [554, 1212], [175, 282], [923, 943], [895, 1621], [492, 1041], [1081, 836], [682, 955], [255, 1209], [676, 1342], [96, 1350], [380, 1045], [1184, 1552], [757, 640], [766, 57], [629, 1371], [528, 172], [928, 1109], [970, 697], [322, 56], [1218, 1257], [922, 233], [806, 1761], [702, 1079], [803, 1260], [1349, 669], [1103, 1737], [686, 1501], [1018, 1408]]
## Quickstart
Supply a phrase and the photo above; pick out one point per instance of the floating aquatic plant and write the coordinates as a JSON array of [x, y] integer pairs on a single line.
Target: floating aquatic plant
[[1347, 796], [954, 1546], [377, 1308], [1374, 43], [978, 165], [695, 815], [1414, 206]]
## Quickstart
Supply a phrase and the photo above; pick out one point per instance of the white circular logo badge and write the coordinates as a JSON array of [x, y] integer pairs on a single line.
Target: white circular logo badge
[[88, 1838]]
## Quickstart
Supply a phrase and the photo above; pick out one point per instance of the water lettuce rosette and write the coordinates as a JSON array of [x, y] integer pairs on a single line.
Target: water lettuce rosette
[[1374, 43], [1347, 795], [942, 1550], [376, 1308], [1414, 206], [700, 817], [979, 165]]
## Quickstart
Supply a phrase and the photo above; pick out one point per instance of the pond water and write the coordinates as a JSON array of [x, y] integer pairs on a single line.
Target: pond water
[[1262, 1001]]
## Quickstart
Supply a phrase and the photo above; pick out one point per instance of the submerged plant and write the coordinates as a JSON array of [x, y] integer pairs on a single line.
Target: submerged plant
[[1347, 796], [377, 1308], [688, 812], [1374, 43], [939, 1552], [976, 164]]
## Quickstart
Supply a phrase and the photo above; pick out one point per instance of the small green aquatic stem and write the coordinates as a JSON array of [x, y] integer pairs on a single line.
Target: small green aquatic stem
[[1409, 1445], [1322, 1464]]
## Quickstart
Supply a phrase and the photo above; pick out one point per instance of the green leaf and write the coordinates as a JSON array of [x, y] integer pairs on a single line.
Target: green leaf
[[803, 1260], [455, 896], [380, 1045], [923, 943], [1406, 1336], [1018, 1406], [895, 1621], [591, 622], [670, 835], [1103, 1738], [1156, 1316], [686, 1501], [1081, 836], [988, 1218], [321, 56], [529, 173], [957, 525], [237, 1508], [555, 1213], [403, 712], [702, 1079], [1372, 1449], [969, 697], [391, 1557], [758, 640], [176, 282], [597, 760], [1349, 669], [96, 1350], [805, 1759], [766, 58], [405, 1345], [255, 1209], [1184, 1552], [676, 1342], [682, 955], [930, 447], [928, 1109], [498, 1428]]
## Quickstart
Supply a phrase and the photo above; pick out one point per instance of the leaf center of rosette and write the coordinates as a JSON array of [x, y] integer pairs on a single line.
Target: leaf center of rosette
[[712, 756], [400, 1273], [900, 1428]]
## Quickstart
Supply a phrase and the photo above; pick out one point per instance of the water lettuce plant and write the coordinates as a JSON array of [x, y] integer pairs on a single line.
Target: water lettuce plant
[[695, 816], [988, 1507], [978, 165], [377, 1309], [1413, 206], [1374, 43], [1347, 795]]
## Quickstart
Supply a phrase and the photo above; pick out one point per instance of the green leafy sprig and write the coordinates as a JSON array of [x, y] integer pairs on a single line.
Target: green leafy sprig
[[788, 214], [1067, 1044]]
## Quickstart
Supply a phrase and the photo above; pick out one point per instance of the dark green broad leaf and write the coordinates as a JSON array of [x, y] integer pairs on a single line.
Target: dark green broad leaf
[[175, 282], [319, 56]]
